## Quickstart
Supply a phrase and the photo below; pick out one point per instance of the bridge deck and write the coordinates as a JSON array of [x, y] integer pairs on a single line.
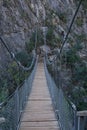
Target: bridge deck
[[39, 114]]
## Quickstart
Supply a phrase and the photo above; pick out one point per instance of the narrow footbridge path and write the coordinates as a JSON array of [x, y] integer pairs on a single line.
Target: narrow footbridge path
[[39, 113]]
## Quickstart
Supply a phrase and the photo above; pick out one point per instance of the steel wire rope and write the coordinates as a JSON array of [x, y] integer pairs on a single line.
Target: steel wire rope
[[70, 26], [14, 57], [66, 37]]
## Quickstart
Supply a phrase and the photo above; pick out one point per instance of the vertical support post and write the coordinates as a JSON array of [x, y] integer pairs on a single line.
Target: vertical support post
[[2, 120], [18, 75], [60, 68], [75, 119], [79, 123], [17, 109], [36, 40], [37, 14]]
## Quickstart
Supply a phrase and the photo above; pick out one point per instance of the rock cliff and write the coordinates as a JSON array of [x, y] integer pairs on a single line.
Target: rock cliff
[[19, 18]]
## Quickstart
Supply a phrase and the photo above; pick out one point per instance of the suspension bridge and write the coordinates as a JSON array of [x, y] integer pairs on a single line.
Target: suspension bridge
[[40, 104], [39, 113]]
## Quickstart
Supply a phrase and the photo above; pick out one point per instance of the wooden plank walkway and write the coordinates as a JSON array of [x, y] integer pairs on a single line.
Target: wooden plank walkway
[[39, 114]]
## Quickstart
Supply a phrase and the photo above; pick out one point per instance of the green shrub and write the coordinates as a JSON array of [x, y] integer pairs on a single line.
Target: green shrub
[[80, 71], [6, 3], [11, 78], [3, 94], [81, 38], [82, 106], [29, 46], [23, 57], [84, 4], [78, 76], [50, 38], [79, 22], [40, 39], [15, 77], [63, 17], [78, 95], [72, 57]]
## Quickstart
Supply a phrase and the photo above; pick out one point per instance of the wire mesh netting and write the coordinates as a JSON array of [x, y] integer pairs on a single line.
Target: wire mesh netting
[[65, 110]]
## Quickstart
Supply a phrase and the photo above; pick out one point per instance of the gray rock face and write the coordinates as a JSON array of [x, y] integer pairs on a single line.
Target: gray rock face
[[16, 23], [65, 10], [17, 18]]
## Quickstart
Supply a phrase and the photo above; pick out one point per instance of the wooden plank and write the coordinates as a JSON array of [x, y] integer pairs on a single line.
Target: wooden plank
[[39, 124], [37, 109], [42, 119], [39, 117], [39, 128], [82, 113], [37, 112], [36, 99], [40, 102]]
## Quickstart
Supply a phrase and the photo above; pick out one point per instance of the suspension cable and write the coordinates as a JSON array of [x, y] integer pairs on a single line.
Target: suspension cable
[[70, 26], [59, 53], [14, 57], [6, 46]]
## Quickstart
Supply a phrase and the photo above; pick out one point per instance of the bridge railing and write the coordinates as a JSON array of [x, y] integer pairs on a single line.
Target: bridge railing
[[11, 110], [64, 109]]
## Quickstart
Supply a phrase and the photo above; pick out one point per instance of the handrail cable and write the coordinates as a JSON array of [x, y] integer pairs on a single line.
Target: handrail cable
[[6, 46], [14, 57]]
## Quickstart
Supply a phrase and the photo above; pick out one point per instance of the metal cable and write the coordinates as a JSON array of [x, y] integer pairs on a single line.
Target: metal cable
[[6, 46], [59, 53], [14, 57], [70, 26]]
